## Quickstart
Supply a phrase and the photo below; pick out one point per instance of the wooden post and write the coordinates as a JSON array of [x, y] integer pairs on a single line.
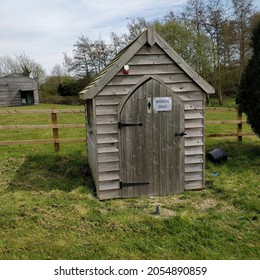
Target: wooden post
[[55, 131], [239, 126]]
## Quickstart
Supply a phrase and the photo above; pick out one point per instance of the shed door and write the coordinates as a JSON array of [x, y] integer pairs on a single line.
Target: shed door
[[151, 155]]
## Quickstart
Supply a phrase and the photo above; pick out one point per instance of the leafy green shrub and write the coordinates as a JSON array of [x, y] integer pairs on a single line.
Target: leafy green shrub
[[64, 100]]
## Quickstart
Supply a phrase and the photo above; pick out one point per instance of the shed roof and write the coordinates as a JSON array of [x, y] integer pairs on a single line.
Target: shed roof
[[149, 36]]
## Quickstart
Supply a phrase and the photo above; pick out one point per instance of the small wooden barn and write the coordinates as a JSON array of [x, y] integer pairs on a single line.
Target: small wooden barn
[[145, 122], [17, 90]]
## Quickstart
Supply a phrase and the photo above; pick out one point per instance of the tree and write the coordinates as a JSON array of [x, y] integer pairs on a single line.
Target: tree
[[195, 14], [243, 11], [89, 57], [213, 24], [184, 40], [135, 28], [248, 97], [7, 65], [21, 64]]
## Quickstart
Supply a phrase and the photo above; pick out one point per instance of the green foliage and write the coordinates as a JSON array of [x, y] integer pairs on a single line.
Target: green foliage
[[63, 86], [248, 97], [196, 50]]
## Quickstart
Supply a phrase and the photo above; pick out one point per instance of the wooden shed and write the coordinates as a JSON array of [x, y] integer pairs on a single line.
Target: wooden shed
[[17, 90], [145, 122]]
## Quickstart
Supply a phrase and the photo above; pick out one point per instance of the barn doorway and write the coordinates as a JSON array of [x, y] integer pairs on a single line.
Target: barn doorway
[[151, 122], [27, 97]]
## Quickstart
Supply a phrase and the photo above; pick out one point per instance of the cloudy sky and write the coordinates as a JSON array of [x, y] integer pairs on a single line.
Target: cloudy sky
[[44, 29]]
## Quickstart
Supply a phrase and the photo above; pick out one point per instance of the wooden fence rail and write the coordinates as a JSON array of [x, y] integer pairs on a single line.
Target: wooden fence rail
[[239, 134], [41, 111], [55, 127]]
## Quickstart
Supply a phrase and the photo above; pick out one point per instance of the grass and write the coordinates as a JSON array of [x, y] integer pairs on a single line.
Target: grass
[[35, 119], [228, 102], [224, 115], [48, 209]]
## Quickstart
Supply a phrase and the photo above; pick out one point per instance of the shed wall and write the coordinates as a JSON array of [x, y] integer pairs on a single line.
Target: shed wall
[[152, 61], [10, 87]]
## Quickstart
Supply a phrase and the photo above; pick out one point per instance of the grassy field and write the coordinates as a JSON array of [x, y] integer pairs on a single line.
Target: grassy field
[[48, 208]]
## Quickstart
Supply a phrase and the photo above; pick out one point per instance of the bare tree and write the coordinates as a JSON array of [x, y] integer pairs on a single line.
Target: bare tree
[[243, 11], [21, 64], [135, 28], [214, 21], [89, 57], [194, 17], [7, 65]]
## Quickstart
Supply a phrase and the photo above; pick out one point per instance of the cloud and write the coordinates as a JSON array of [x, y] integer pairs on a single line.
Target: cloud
[[43, 30]]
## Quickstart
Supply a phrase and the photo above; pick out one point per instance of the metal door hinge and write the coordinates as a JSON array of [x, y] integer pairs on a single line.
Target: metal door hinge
[[122, 185], [120, 125], [180, 134]]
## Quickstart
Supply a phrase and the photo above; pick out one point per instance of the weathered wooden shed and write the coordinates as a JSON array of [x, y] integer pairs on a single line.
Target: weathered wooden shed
[[17, 90], [145, 122]]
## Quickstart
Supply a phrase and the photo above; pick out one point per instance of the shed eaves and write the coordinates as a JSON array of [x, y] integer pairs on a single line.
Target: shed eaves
[[151, 37]]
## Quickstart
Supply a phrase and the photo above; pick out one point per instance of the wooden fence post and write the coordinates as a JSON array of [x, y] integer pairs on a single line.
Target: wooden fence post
[[55, 131], [239, 126]]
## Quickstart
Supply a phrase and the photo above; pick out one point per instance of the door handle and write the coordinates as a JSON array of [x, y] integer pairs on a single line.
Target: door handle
[[180, 134]]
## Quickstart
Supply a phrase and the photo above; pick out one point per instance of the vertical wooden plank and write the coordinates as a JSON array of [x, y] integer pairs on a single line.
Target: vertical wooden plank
[[181, 150], [148, 147], [136, 143], [178, 170], [155, 142], [163, 145], [151, 36], [55, 131], [126, 150], [170, 148], [176, 141], [139, 142], [239, 126]]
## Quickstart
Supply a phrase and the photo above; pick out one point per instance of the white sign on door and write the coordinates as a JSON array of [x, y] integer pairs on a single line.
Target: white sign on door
[[162, 103]]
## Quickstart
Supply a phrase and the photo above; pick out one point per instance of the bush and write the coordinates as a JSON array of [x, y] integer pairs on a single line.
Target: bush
[[64, 100], [248, 97]]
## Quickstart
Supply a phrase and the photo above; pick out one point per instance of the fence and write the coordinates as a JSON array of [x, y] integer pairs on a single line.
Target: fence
[[239, 122], [55, 127]]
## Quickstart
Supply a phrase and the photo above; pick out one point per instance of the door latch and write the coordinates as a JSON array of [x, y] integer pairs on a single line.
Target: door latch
[[180, 134], [149, 105]]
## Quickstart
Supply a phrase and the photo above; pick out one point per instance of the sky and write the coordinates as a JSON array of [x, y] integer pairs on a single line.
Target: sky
[[45, 29]]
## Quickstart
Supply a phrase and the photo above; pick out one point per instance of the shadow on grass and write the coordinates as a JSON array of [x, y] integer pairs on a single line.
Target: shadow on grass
[[53, 172]]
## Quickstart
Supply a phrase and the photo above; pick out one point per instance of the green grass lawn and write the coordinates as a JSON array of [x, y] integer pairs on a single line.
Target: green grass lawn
[[37, 119], [228, 102], [224, 115], [48, 208]]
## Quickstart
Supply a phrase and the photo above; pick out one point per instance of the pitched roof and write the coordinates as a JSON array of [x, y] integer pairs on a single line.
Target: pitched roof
[[16, 75], [151, 37]]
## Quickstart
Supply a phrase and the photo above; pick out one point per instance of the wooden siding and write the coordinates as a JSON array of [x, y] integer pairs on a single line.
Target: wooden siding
[[151, 153], [103, 142], [11, 87], [141, 46]]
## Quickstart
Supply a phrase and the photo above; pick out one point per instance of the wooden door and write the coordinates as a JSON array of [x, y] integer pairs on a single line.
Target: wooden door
[[151, 151]]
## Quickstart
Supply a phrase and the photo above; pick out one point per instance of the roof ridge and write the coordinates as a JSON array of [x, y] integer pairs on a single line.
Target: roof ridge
[[148, 36]]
